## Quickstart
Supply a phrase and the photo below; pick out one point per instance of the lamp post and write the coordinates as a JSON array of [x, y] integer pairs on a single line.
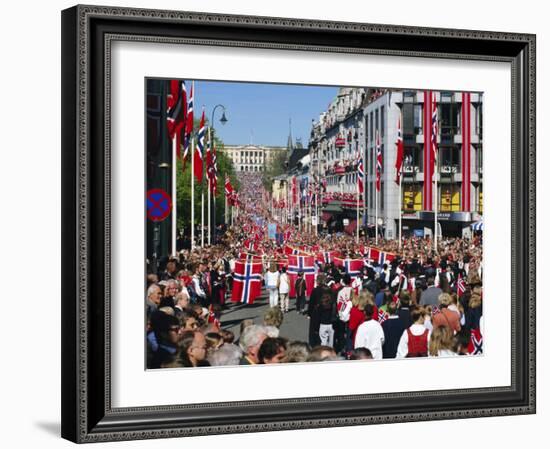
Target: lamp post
[[212, 213]]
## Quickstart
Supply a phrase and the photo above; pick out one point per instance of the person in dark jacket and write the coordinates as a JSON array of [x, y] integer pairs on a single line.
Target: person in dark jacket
[[312, 309], [393, 328]]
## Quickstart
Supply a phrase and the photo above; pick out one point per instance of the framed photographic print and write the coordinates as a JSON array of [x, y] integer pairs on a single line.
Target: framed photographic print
[[276, 224]]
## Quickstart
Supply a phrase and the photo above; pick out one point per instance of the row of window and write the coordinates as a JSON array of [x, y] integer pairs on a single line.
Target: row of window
[[250, 168], [449, 197]]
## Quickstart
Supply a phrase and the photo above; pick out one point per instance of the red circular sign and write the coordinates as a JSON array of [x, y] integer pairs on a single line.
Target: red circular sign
[[159, 205]]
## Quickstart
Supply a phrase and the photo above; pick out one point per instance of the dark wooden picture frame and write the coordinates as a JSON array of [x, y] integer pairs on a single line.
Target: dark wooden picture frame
[[87, 33]]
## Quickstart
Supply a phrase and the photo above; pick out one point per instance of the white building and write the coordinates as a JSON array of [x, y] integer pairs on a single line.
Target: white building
[[251, 158]]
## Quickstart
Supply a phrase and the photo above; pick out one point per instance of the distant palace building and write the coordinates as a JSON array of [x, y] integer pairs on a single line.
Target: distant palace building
[[251, 158]]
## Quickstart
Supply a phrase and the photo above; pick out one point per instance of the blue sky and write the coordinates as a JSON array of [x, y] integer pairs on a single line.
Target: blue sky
[[260, 112]]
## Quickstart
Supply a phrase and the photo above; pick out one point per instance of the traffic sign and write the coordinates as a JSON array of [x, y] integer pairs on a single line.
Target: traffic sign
[[159, 205]]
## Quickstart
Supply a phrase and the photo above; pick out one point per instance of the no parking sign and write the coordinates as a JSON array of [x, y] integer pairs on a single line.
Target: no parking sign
[[159, 205]]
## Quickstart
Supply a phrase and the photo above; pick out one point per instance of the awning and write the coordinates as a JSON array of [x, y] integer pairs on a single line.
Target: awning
[[332, 208], [477, 226]]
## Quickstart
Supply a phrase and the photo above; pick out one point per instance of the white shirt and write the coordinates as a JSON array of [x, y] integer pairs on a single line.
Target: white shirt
[[271, 279], [284, 283], [403, 346], [371, 336]]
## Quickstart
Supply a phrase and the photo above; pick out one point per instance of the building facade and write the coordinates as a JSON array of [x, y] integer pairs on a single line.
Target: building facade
[[360, 120], [252, 158]]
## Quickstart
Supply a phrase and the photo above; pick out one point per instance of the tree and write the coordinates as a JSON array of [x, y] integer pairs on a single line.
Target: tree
[[276, 167], [183, 182]]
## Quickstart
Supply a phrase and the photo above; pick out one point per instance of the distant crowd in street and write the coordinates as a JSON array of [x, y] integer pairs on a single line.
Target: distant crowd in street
[[423, 303]]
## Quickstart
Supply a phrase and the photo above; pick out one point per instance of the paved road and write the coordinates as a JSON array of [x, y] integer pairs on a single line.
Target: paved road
[[295, 326]]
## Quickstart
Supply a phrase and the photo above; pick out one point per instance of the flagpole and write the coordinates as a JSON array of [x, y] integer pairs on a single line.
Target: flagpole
[[375, 195], [174, 193], [357, 207], [209, 185], [436, 201], [400, 205], [192, 193]]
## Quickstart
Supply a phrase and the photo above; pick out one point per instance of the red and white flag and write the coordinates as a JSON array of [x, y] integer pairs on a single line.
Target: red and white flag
[[352, 267], [304, 264], [400, 154], [360, 177], [327, 256], [199, 151], [247, 282], [188, 124], [378, 162], [380, 257], [460, 286]]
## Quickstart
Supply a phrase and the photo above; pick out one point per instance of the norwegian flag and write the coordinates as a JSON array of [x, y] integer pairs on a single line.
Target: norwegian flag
[[212, 318], [378, 162], [434, 131], [289, 250], [228, 186], [435, 310], [360, 176], [304, 264], [327, 256], [198, 156], [175, 116], [400, 153], [351, 266], [214, 176], [247, 282], [380, 257], [251, 245], [282, 263], [250, 257], [208, 162], [475, 346], [382, 316], [287, 235], [188, 124], [460, 286]]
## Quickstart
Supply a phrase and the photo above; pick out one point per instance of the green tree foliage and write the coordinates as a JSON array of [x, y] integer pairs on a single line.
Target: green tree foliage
[[225, 167], [275, 168]]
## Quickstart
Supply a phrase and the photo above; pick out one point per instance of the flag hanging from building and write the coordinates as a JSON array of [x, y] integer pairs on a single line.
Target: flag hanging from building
[[378, 162], [199, 151], [303, 264], [188, 126], [400, 154], [247, 282]]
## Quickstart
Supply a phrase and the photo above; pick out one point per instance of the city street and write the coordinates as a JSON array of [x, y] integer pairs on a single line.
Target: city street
[[295, 326]]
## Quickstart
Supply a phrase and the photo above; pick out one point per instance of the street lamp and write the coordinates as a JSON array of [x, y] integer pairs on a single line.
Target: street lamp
[[212, 214]]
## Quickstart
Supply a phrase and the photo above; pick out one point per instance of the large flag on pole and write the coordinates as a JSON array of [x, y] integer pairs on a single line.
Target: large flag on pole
[[209, 163], [400, 153], [304, 264], [199, 151], [378, 161], [434, 133], [214, 176], [360, 176], [247, 282], [175, 117], [188, 125]]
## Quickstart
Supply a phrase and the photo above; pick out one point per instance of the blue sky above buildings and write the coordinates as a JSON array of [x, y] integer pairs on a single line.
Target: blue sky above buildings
[[259, 113]]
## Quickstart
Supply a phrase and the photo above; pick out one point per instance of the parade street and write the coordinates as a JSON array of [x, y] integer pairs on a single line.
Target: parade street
[[295, 326]]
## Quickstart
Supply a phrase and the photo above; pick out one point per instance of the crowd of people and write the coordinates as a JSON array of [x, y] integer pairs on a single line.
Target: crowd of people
[[424, 303]]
